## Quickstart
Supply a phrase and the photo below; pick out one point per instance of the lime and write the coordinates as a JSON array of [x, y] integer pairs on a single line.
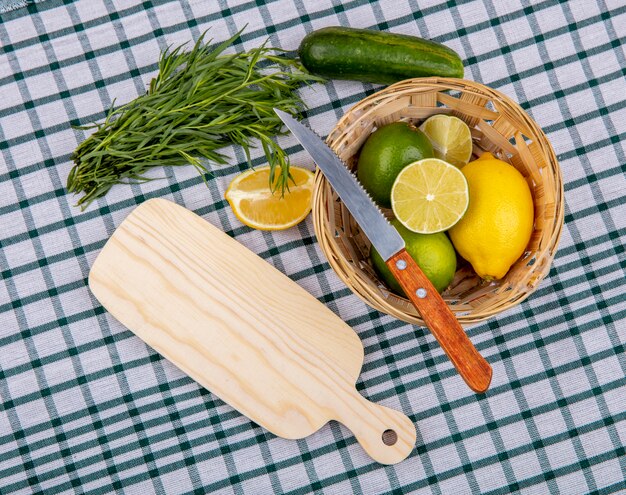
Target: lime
[[450, 137], [429, 196], [432, 252], [387, 151]]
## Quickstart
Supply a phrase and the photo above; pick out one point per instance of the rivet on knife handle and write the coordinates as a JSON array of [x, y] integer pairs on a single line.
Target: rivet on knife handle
[[472, 367]]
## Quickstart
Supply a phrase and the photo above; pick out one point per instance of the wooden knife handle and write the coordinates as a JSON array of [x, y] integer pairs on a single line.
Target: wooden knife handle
[[441, 321]]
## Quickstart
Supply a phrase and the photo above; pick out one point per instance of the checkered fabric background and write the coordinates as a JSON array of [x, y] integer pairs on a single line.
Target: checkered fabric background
[[85, 406]]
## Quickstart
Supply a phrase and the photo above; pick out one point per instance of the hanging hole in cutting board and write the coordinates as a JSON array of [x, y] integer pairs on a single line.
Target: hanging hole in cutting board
[[390, 437]]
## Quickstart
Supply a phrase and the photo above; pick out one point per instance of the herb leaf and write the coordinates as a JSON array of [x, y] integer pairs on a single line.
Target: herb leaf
[[200, 101]]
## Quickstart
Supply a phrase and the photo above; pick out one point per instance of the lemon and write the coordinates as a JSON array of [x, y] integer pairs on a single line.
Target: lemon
[[432, 252], [254, 204], [450, 137], [387, 151], [429, 196], [498, 224]]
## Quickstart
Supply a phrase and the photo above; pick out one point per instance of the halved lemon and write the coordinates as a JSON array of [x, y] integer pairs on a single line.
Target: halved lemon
[[254, 204], [451, 138], [429, 196]]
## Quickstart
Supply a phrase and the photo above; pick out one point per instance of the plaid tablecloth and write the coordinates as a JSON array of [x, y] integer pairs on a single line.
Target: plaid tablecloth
[[86, 407]]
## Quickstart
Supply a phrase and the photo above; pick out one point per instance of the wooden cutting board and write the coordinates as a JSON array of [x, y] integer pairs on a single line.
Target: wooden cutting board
[[240, 328]]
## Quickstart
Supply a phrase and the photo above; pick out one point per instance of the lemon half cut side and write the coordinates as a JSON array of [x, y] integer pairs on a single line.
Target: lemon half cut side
[[254, 204]]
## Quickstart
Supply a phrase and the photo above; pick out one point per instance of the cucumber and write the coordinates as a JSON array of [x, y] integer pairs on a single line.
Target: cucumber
[[375, 56]]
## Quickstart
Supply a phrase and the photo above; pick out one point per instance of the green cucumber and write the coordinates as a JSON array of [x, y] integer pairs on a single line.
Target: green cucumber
[[375, 56]]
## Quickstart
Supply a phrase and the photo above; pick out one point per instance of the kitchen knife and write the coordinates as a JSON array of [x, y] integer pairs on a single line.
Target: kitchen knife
[[472, 367]]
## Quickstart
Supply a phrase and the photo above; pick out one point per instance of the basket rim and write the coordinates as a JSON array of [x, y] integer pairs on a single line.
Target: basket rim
[[440, 84]]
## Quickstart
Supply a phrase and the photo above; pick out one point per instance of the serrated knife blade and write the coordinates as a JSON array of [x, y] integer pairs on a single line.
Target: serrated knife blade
[[472, 367], [376, 227]]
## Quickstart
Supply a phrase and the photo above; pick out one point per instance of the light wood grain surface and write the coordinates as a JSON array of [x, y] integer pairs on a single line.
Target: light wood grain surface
[[240, 328]]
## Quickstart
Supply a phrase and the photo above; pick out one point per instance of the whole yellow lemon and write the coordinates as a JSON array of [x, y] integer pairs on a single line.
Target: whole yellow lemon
[[496, 228]]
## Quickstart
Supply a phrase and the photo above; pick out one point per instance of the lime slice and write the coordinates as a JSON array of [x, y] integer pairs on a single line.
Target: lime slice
[[429, 196], [450, 137]]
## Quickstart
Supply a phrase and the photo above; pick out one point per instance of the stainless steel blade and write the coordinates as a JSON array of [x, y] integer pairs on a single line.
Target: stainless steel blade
[[377, 228]]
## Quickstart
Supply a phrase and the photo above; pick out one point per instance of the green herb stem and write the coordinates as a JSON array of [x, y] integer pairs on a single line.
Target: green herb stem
[[200, 101]]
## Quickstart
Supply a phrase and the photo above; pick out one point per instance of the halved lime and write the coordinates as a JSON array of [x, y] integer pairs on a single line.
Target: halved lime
[[429, 196], [451, 138]]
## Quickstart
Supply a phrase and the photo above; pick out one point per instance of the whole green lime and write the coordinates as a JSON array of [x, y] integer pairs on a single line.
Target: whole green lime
[[387, 151], [433, 253]]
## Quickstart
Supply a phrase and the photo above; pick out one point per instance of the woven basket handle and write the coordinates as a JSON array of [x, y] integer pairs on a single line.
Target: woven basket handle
[[441, 321]]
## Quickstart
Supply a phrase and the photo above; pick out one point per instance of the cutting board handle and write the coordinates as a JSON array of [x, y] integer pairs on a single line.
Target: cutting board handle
[[387, 435]]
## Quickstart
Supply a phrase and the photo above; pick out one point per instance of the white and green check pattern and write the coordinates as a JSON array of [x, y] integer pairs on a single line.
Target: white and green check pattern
[[86, 407]]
